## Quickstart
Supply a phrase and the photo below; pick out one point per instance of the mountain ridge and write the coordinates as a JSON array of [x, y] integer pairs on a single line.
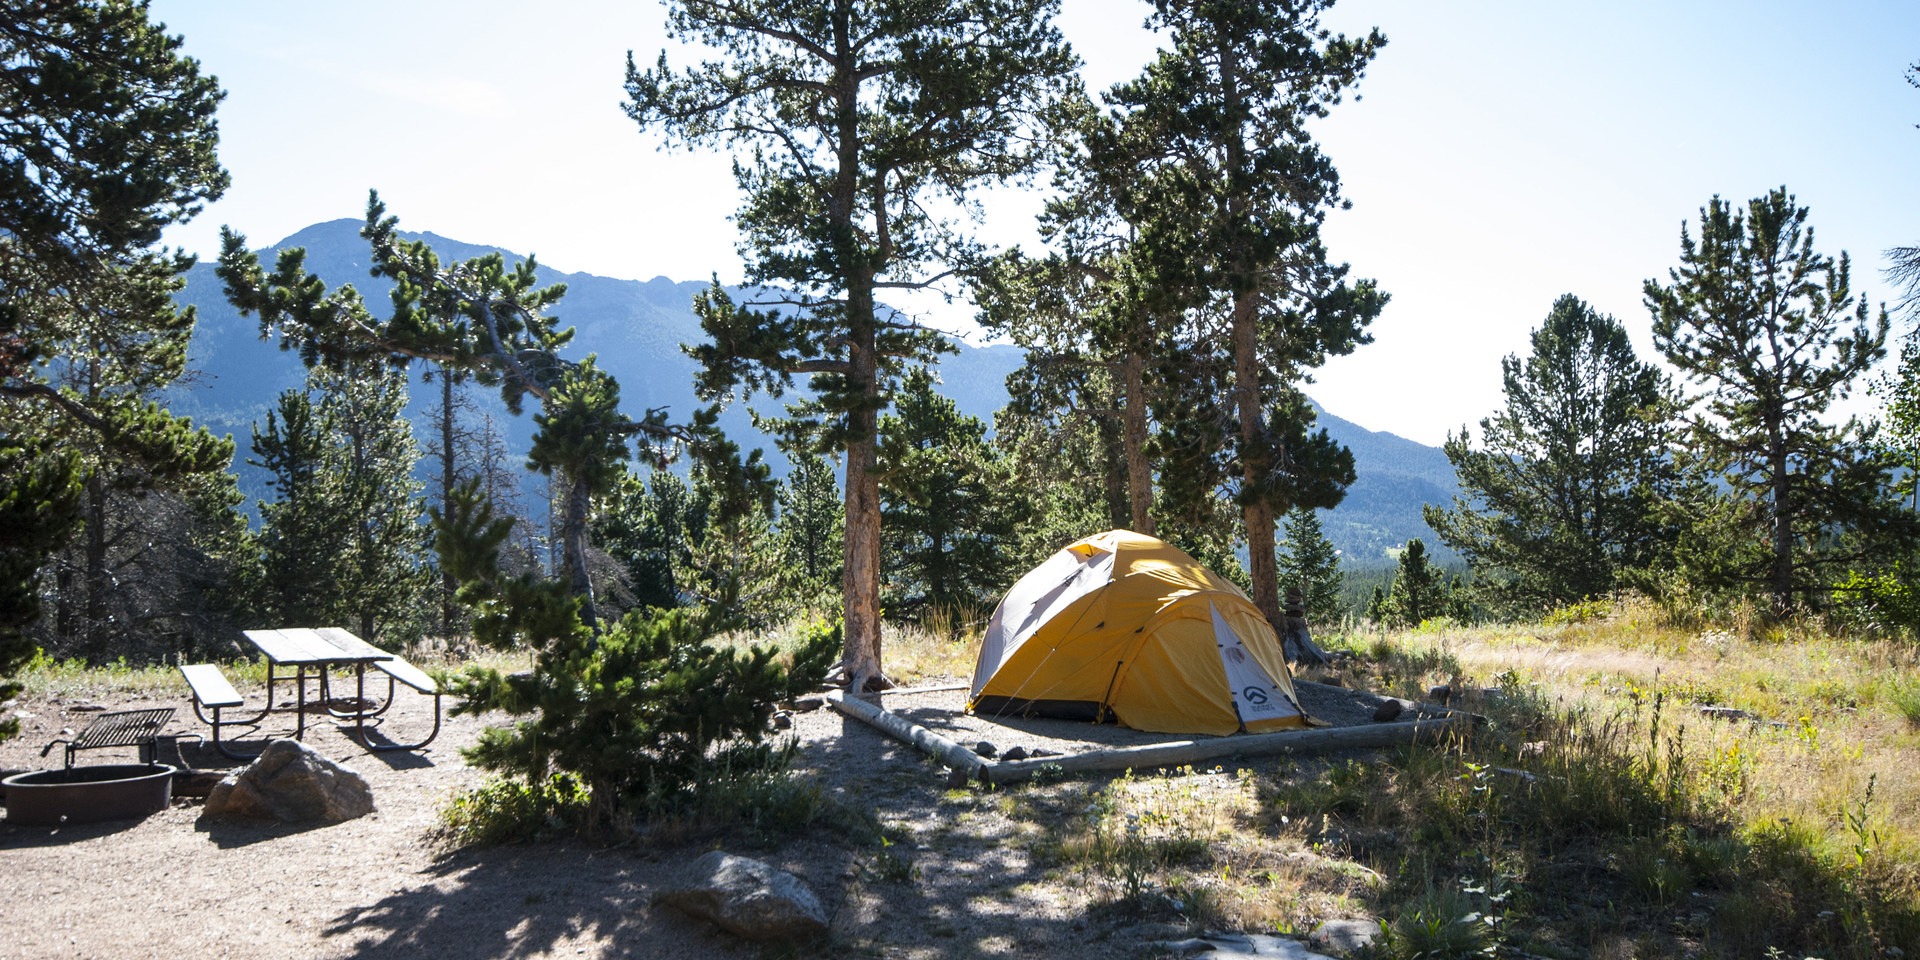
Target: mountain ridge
[[635, 329]]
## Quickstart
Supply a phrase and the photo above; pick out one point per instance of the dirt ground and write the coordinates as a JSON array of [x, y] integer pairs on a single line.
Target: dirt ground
[[177, 884]]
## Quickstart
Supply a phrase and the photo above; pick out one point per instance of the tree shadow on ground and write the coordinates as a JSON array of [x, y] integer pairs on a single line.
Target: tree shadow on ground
[[535, 900], [955, 875]]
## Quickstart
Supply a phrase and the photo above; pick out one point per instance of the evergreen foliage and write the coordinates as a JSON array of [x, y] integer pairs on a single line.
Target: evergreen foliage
[[947, 503], [848, 120], [1229, 197], [1558, 495], [1421, 591], [644, 711], [1773, 332], [644, 527], [1313, 565], [342, 540], [39, 506], [107, 136], [487, 319], [812, 530]]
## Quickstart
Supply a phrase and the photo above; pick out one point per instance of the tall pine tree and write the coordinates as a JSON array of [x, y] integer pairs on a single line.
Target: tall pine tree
[[1558, 496], [853, 123], [1774, 334], [1231, 192], [107, 136]]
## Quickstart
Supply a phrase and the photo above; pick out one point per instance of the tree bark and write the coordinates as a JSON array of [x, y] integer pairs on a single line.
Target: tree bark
[[1139, 471], [573, 533]]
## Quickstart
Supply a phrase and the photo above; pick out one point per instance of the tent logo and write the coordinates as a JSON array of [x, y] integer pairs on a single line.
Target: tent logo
[[1254, 695]]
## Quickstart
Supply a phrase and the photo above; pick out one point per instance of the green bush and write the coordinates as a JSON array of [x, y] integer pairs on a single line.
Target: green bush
[[647, 714]]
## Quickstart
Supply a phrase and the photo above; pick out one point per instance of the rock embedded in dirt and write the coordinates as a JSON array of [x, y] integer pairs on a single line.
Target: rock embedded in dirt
[[291, 781], [1344, 937], [986, 749], [1016, 753], [747, 898], [808, 704]]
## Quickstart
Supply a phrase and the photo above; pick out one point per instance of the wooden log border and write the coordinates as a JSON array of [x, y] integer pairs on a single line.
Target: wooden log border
[[969, 766]]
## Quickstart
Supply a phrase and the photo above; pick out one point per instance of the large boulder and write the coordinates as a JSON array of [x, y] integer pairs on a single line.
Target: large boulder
[[291, 781], [748, 898]]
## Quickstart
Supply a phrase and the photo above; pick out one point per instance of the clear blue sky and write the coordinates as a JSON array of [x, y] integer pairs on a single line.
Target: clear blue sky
[[1501, 154]]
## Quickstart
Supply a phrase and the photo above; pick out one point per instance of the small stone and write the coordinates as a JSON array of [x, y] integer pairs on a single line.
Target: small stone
[[1017, 753], [808, 704], [1343, 937], [1042, 752], [783, 721], [986, 749], [1388, 711]]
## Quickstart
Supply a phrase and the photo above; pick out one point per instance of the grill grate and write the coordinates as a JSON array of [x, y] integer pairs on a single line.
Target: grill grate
[[127, 728]]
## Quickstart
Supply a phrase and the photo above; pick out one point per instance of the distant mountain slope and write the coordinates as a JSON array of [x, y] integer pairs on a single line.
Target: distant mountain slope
[[636, 328]]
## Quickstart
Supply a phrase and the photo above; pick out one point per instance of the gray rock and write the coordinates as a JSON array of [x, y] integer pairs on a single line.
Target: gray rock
[[808, 704], [986, 749], [747, 898], [291, 781], [1016, 753], [1343, 937], [1238, 946]]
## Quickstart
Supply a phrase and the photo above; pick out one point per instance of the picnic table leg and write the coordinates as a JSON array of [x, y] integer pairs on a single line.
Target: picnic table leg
[[300, 715]]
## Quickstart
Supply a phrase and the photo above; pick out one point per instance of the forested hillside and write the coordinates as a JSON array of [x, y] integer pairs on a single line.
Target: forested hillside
[[636, 329]]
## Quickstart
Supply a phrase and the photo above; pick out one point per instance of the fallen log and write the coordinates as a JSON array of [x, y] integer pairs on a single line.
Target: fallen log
[[1184, 752], [966, 764]]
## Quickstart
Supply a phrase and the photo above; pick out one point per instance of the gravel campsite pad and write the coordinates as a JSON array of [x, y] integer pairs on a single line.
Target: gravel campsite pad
[[177, 884]]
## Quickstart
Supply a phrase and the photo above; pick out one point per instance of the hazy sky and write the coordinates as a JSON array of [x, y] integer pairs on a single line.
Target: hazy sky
[[1501, 153]]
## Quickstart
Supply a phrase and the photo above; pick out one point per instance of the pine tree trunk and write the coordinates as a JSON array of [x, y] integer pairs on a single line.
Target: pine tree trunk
[[93, 620], [1139, 471], [1781, 575], [1256, 454], [861, 579], [1256, 457], [449, 612], [579, 500]]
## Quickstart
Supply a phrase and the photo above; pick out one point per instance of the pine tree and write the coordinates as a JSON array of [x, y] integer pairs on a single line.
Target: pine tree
[[1420, 591], [39, 505], [1311, 564], [1558, 497], [811, 528], [343, 538], [848, 120], [482, 317], [949, 515], [1229, 196], [107, 136], [642, 710], [1774, 334]]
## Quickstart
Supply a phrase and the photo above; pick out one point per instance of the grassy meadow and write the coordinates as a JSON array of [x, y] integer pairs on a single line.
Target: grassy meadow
[[1598, 812]]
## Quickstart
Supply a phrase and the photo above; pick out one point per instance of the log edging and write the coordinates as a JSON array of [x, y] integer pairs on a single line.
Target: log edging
[[969, 766]]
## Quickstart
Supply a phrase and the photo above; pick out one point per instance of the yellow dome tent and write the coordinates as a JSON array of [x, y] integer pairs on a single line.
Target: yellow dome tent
[[1125, 626]]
